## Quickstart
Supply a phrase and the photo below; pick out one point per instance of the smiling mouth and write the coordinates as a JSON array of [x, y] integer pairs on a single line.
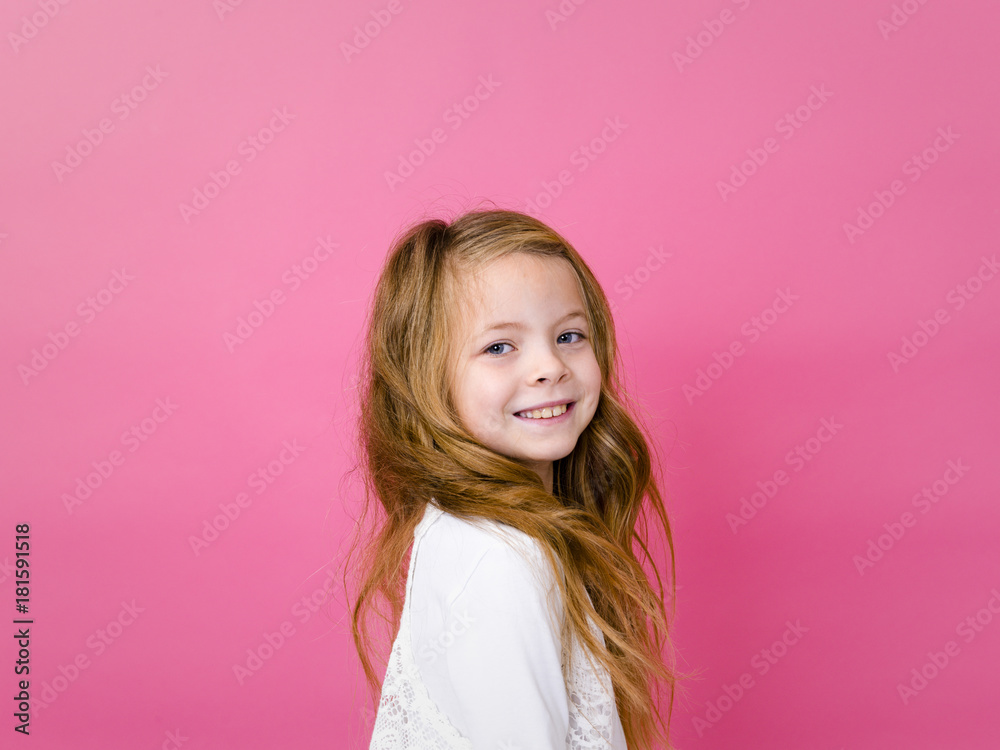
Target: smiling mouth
[[549, 412]]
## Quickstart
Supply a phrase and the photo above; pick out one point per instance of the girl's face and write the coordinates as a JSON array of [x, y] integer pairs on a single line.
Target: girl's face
[[524, 346]]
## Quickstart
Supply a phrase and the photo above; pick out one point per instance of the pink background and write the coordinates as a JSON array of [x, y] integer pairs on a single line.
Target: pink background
[[164, 677]]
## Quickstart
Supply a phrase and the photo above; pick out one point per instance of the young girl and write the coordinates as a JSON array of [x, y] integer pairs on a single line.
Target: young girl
[[496, 438]]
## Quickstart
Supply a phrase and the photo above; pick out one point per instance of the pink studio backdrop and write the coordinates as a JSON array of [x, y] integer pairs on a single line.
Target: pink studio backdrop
[[793, 207]]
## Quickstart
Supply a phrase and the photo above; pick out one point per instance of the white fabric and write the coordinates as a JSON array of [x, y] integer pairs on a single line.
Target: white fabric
[[478, 661]]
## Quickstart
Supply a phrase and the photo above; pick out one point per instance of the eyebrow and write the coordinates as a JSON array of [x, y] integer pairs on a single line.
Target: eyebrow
[[521, 326]]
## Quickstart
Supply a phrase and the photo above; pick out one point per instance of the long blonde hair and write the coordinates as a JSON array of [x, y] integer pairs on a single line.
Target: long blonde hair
[[413, 447]]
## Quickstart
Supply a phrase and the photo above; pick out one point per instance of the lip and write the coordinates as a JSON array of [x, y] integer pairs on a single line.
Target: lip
[[549, 404]]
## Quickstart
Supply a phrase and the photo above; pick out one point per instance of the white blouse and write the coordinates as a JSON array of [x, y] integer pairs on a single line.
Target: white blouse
[[478, 662]]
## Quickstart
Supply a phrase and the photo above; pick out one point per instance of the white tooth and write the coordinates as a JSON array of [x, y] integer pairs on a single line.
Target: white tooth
[[546, 413]]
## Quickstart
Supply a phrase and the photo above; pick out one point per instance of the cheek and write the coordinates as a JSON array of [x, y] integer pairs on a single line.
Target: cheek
[[461, 390], [593, 374], [486, 425], [466, 411], [593, 386], [479, 401], [459, 399], [487, 408]]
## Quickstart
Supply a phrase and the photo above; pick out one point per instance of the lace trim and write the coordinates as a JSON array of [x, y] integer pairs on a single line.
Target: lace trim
[[592, 709], [407, 718]]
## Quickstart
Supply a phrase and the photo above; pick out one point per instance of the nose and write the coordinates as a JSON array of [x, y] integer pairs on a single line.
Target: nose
[[546, 365]]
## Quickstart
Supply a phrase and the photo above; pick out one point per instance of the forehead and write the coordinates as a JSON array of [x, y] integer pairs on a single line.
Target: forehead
[[516, 286]]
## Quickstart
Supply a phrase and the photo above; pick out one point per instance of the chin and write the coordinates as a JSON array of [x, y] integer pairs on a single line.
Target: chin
[[553, 455]]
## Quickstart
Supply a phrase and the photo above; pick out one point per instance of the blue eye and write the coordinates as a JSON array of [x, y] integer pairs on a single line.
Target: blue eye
[[491, 350], [493, 346]]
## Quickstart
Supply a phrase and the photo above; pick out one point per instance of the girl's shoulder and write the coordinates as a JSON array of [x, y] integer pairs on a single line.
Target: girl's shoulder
[[480, 532], [454, 550]]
